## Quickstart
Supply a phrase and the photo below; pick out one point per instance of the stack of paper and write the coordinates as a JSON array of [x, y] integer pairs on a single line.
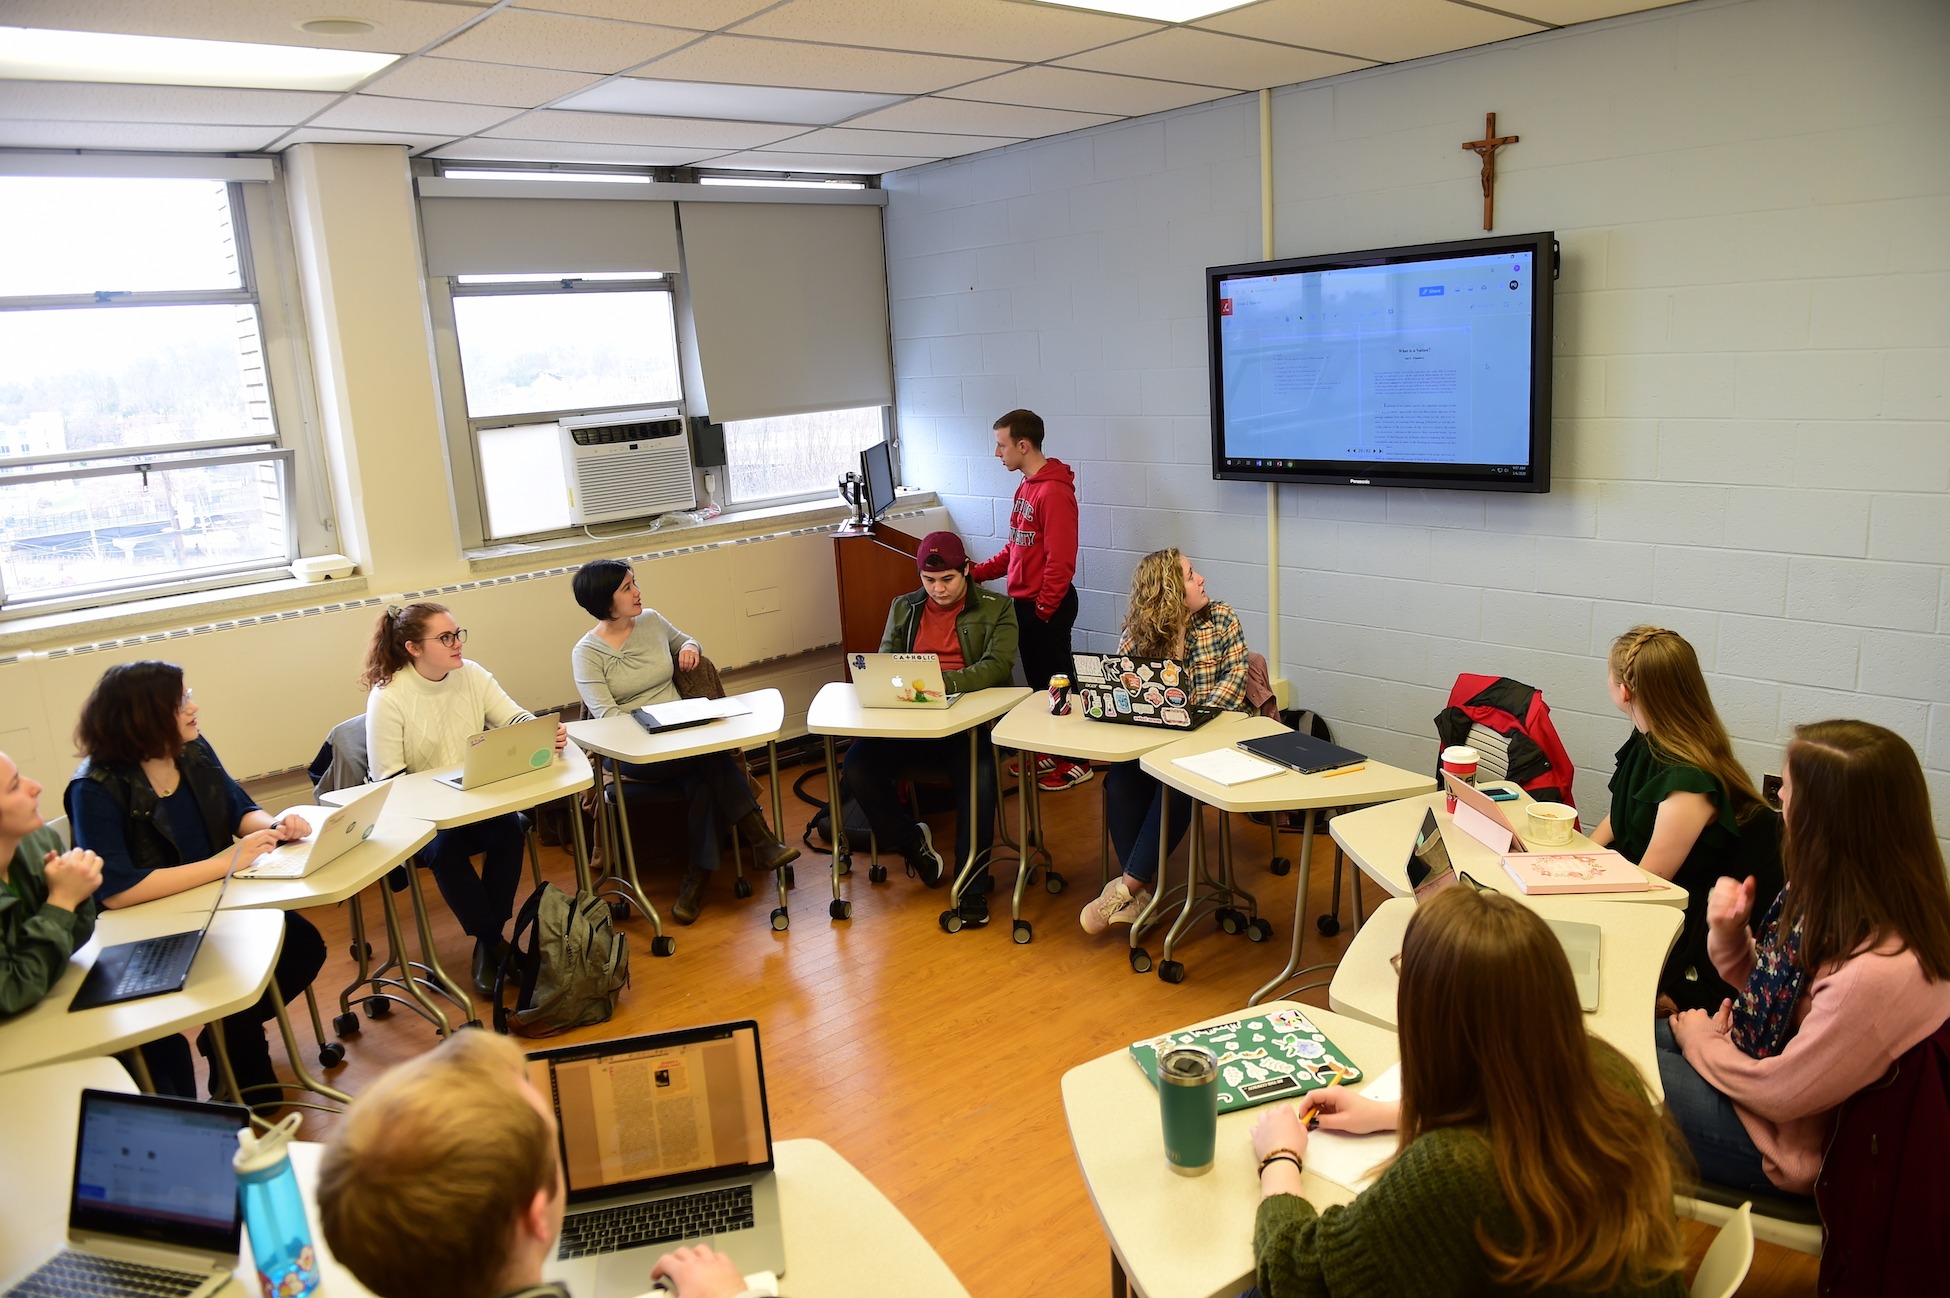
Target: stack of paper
[[1228, 766]]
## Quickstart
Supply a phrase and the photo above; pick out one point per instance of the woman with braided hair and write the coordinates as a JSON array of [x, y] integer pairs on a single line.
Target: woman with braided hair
[[1680, 800]]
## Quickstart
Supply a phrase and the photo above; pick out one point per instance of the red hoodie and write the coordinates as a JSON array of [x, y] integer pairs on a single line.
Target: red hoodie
[[1041, 557]]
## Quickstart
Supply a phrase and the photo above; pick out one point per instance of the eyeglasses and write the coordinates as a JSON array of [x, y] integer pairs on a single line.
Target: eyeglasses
[[452, 639], [189, 697]]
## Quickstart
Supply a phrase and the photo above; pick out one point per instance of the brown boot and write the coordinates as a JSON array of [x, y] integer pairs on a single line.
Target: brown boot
[[690, 896], [766, 847]]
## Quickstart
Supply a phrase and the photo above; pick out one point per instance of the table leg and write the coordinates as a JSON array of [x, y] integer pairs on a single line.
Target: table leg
[[584, 884], [361, 949], [429, 957], [139, 1069], [397, 954], [1194, 875], [1293, 969], [628, 884], [1120, 1287], [967, 869], [294, 1056], [836, 826], [1141, 958], [220, 1066]]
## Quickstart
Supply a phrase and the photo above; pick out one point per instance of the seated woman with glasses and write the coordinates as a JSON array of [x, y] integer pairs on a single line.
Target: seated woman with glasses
[[424, 699], [152, 800]]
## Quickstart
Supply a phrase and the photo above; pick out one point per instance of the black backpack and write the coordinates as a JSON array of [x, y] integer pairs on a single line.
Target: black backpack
[[572, 968]]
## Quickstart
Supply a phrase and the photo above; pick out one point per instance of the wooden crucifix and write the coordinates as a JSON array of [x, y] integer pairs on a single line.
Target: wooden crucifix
[[1487, 147]]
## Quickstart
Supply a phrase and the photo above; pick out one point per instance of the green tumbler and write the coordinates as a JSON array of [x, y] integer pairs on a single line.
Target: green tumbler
[[1188, 1099]]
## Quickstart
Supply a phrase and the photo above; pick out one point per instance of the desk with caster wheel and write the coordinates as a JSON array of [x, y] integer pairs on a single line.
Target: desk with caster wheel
[[836, 712], [1288, 791], [1030, 728], [421, 796], [620, 739], [394, 839]]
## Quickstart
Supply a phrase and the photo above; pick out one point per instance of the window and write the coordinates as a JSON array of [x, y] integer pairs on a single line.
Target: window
[[140, 447], [798, 455]]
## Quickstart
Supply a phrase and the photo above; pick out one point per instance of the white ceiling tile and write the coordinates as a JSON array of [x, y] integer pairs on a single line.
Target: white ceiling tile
[[1087, 91], [966, 117], [136, 135], [327, 135], [374, 113], [399, 26], [1565, 12], [845, 163], [653, 97], [699, 15], [466, 82], [1214, 59], [819, 67], [75, 101], [481, 149], [995, 29], [841, 139], [559, 41], [611, 128], [1389, 33]]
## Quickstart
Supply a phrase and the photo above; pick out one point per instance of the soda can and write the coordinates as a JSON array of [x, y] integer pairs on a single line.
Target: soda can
[[1059, 695]]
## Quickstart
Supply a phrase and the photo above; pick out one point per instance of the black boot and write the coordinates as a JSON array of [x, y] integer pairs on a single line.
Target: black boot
[[487, 963], [766, 847], [690, 896]]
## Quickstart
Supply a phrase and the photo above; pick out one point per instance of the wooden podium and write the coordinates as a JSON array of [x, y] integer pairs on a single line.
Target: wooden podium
[[872, 564]]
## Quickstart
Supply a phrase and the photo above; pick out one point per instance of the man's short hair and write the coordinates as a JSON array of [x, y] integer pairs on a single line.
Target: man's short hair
[[1023, 426], [422, 1184]]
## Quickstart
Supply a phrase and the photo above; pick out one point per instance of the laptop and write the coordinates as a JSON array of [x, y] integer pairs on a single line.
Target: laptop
[[1134, 691], [1430, 870], [899, 681], [340, 829], [1482, 817], [129, 971], [1302, 752], [153, 1208], [503, 753], [666, 1140]]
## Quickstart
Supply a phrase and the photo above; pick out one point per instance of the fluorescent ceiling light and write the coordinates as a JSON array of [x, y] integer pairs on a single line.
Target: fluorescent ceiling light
[[723, 103], [1163, 11], [518, 173], [36, 54], [761, 182]]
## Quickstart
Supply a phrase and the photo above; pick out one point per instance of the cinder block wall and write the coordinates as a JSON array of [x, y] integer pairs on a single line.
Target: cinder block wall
[[1752, 386]]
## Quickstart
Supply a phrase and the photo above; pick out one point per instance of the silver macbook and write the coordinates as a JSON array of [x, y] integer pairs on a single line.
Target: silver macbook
[[153, 1206], [1582, 944], [899, 681], [666, 1140], [503, 753], [339, 830]]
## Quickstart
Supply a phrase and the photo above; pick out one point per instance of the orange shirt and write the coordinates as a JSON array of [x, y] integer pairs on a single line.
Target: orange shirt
[[936, 635]]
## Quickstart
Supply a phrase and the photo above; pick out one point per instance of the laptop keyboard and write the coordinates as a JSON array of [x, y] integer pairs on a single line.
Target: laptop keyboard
[[688, 1216], [155, 965], [84, 1275]]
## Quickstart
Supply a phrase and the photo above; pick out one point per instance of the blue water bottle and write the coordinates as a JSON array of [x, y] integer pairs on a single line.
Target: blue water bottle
[[274, 1212]]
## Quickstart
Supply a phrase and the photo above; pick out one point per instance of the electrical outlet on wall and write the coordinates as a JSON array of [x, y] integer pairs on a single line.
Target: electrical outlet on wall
[[1770, 788]]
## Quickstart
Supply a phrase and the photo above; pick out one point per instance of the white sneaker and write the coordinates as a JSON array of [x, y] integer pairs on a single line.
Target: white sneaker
[[1114, 905]]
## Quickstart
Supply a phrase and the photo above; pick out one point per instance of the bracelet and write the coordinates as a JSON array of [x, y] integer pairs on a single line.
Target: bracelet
[[1279, 1155]]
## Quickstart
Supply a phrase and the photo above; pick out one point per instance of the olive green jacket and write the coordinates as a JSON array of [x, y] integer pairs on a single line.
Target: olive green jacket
[[36, 939], [986, 628]]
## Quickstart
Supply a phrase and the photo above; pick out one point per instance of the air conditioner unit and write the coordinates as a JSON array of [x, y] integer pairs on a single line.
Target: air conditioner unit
[[630, 464]]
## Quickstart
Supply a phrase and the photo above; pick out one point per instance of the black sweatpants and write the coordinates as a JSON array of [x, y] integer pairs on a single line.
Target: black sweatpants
[[1046, 645]]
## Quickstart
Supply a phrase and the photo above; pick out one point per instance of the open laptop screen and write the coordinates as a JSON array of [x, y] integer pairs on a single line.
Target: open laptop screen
[[152, 1168], [656, 1111]]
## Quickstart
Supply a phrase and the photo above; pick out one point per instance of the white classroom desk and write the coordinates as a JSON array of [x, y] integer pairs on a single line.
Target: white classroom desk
[[1374, 781], [1632, 951], [229, 974], [1187, 1236], [421, 796], [1378, 841], [836, 712], [43, 1108], [843, 1237], [621, 739]]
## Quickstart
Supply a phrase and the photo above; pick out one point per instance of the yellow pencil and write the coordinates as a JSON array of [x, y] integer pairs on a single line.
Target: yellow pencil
[[1345, 770], [1313, 1118]]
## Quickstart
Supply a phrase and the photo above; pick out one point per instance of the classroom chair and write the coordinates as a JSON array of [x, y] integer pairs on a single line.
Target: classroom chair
[[1787, 1222], [1727, 1258]]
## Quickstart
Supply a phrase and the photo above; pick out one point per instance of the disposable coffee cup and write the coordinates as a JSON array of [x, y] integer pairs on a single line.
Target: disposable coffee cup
[[1551, 823], [1188, 1101], [1460, 762]]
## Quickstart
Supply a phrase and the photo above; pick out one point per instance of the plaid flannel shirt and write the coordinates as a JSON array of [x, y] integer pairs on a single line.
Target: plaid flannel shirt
[[1216, 658]]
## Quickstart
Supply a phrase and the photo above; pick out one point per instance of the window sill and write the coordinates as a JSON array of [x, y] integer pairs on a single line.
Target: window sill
[[176, 615], [731, 526]]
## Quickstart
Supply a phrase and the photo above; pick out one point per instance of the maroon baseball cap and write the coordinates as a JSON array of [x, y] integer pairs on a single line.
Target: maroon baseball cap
[[940, 552]]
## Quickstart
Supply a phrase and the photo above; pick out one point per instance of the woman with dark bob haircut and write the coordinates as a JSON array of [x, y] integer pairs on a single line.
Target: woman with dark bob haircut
[[152, 800], [627, 661]]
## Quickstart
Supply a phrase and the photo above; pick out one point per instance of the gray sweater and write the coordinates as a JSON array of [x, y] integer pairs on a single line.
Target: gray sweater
[[614, 680]]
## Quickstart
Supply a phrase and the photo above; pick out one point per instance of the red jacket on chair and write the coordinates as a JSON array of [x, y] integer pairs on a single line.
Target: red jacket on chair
[[1884, 1188], [1519, 714]]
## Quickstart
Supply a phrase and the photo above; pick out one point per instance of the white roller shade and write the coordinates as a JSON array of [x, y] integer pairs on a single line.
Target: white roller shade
[[790, 306], [513, 236]]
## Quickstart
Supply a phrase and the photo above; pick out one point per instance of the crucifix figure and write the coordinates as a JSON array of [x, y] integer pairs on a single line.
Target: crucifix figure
[[1487, 147]]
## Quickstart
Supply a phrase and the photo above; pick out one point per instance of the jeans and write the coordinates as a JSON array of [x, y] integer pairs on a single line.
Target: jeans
[[715, 792], [1045, 646], [1724, 1151], [484, 902], [874, 766], [1132, 806]]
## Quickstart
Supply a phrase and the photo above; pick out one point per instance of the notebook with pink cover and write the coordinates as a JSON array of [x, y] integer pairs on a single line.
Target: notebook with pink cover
[[1543, 874]]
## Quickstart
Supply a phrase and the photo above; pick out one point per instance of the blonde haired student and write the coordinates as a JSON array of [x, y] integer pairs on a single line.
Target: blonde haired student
[[1529, 1156], [1680, 800]]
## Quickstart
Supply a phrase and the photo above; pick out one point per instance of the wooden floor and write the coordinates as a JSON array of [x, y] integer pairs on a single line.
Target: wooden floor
[[932, 1061]]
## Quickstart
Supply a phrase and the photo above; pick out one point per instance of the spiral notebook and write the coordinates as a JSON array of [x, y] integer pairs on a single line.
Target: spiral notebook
[[1279, 1055]]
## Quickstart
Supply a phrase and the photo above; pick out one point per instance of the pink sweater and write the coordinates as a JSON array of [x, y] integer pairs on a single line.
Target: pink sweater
[[1852, 1021]]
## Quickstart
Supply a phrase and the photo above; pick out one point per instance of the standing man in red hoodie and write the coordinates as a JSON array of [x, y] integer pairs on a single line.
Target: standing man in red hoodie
[[1040, 560]]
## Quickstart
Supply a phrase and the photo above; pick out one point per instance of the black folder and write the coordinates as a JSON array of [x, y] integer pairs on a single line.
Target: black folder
[[1302, 753]]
